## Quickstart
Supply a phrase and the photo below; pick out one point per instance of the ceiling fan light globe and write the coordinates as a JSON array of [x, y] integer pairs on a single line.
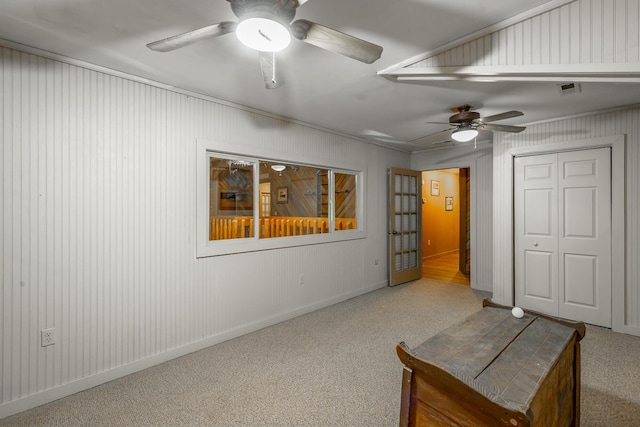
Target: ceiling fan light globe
[[464, 134], [263, 34]]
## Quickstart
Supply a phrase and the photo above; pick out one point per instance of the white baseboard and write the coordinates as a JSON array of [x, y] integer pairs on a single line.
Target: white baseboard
[[46, 396]]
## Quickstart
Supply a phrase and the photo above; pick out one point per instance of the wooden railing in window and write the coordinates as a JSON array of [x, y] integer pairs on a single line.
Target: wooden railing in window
[[235, 227]]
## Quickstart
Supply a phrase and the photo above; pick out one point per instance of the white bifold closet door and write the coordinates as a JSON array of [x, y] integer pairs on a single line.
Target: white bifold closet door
[[562, 220]]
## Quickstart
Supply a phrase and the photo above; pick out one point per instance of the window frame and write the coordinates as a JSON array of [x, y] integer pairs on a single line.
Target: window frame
[[332, 201], [207, 248]]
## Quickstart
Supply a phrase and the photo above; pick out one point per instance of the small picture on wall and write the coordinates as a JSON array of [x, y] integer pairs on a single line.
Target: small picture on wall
[[448, 203], [435, 187], [282, 195]]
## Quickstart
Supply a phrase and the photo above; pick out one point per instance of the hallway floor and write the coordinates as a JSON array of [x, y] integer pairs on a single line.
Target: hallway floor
[[445, 268]]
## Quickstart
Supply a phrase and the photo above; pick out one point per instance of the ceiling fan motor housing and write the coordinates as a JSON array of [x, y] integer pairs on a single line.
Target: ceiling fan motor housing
[[283, 11], [464, 117]]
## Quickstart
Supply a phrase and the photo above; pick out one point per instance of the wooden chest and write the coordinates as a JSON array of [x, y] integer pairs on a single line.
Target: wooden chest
[[494, 369]]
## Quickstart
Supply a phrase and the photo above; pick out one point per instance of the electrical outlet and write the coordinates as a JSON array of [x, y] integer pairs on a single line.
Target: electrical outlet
[[375, 261], [301, 279], [47, 337]]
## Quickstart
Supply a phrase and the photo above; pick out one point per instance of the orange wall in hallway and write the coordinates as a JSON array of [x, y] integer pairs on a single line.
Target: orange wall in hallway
[[440, 228]]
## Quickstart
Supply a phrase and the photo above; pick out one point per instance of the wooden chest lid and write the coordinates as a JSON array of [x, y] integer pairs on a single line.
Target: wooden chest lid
[[500, 356]]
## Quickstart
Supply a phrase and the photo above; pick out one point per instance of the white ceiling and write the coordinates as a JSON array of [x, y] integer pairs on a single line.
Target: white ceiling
[[322, 88]]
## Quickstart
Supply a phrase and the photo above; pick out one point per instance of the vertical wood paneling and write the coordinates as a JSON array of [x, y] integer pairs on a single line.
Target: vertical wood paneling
[[585, 32], [581, 32], [633, 31], [30, 274], [574, 34], [545, 39], [7, 237], [620, 36], [518, 43], [526, 42], [564, 36], [597, 20], [98, 227], [608, 30]]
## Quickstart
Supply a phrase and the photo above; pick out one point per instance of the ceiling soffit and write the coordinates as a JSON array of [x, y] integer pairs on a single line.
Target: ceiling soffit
[[559, 41]]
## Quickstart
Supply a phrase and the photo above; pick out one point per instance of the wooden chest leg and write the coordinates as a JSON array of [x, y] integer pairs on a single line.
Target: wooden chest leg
[[576, 385], [405, 401]]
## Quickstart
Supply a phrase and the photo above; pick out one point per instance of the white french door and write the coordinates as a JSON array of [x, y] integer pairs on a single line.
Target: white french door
[[562, 221], [405, 219]]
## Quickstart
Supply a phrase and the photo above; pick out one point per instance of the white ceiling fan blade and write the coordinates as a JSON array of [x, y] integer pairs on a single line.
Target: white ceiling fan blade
[[270, 74], [502, 116], [190, 37], [335, 41]]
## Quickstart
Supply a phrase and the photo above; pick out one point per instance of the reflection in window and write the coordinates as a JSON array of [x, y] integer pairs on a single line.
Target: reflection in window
[[295, 196], [230, 199], [293, 200], [345, 201]]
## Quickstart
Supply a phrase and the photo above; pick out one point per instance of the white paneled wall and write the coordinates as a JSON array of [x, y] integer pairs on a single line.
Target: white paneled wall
[[581, 32], [480, 161], [98, 228], [622, 122]]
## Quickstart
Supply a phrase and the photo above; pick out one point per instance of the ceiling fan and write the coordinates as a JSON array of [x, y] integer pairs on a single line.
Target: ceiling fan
[[466, 124], [266, 26]]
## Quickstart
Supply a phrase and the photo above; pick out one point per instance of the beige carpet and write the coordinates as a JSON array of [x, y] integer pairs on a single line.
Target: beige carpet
[[333, 367]]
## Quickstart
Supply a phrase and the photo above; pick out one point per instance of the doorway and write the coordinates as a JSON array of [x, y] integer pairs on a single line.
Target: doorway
[[446, 207]]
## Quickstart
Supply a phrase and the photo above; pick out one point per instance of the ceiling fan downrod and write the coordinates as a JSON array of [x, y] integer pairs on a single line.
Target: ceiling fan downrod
[[273, 75]]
